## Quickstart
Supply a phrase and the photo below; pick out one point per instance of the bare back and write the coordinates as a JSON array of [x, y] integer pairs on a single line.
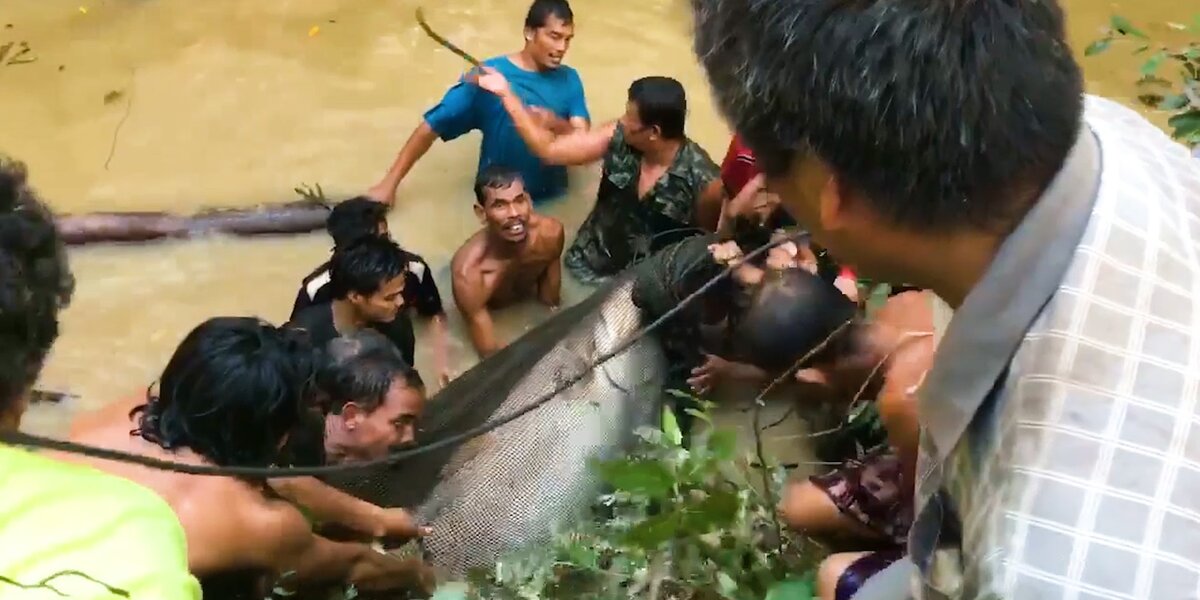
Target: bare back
[[217, 513]]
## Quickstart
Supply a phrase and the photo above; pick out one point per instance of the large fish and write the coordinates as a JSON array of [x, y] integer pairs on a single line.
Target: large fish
[[517, 484]]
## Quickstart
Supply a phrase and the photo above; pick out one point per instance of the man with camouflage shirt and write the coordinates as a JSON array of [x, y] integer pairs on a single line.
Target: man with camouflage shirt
[[657, 185]]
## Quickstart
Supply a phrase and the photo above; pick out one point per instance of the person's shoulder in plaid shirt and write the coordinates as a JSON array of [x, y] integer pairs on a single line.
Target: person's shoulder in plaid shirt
[[946, 145]]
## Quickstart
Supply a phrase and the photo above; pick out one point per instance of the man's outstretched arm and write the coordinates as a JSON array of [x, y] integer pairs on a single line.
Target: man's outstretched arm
[[550, 284], [579, 147], [418, 144]]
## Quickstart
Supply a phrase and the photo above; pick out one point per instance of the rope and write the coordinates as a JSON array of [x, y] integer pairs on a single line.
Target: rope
[[18, 438]]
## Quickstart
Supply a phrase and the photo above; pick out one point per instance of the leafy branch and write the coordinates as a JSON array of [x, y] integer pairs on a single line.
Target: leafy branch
[[1179, 92]]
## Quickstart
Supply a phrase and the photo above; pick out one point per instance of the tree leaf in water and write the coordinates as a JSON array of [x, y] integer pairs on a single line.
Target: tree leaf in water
[[1122, 25], [1097, 47], [113, 96]]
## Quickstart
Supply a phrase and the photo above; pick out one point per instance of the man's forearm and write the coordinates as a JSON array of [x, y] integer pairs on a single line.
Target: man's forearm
[[441, 337], [418, 144], [330, 505], [538, 138]]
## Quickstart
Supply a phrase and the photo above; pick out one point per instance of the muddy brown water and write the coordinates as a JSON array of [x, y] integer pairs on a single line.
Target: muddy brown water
[[235, 102]]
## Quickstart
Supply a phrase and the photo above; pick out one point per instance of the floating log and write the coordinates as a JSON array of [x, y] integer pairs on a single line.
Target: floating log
[[302, 216]]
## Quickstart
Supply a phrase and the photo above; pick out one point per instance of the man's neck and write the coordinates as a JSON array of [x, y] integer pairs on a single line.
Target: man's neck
[[662, 154], [499, 247], [345, 318], [524, 61], [953, 279]]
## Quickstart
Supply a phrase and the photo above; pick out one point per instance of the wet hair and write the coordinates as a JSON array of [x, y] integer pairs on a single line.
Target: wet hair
[[788, 316], [232, 391], [494, 177], [936, 111], [35, 282], [365, 265], [360, 368], [353, 219], [661, 102], [541, 11]]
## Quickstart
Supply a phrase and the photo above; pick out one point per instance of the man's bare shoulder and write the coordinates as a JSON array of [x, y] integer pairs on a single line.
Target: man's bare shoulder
[[239, 526], [469, 257], [550, 235]]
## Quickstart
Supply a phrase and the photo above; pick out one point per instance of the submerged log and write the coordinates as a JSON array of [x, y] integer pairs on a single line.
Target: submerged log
[[302, 216]]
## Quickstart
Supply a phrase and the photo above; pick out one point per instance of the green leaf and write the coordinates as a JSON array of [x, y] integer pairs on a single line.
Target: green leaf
[[1151, 65], [1122, 25], [1097, 47], [722, 443], [670, 426], [653, 532], [1186, 124], [726, 583], [791, 589], [718, 509], [698, 415], [645, 477], [454, 590]]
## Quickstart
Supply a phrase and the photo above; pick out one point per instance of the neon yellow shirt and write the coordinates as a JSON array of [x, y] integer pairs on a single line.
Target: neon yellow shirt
[[60, 517]]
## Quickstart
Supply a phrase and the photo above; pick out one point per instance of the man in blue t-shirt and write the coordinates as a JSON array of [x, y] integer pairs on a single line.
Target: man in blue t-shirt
[[553, 92]]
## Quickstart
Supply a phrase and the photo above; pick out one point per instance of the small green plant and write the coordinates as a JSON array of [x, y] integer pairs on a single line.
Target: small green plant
[[1179, 91], [683, 523]]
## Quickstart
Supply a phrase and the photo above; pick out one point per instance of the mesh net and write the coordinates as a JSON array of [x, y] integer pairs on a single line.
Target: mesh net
[[518, 483]]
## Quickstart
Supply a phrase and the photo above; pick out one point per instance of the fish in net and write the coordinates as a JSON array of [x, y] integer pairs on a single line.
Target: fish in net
[[519, 483]]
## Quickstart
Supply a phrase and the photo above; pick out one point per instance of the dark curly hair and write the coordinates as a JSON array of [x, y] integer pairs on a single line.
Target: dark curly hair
[[233, 391], [35, 282]]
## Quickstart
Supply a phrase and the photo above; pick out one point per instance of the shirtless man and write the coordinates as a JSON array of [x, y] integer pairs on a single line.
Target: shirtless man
[[515, 256], [868, 499], [230, 395]]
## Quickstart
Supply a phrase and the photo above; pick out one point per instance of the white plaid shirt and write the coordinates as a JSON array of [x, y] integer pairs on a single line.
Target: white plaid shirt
[[1060, 451]]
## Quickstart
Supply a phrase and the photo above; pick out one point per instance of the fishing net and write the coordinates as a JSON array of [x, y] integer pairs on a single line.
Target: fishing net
[[518, 483]]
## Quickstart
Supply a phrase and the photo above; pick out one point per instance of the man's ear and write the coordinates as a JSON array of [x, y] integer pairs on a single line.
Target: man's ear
[[479, 213], [352, 414], [834, 205]]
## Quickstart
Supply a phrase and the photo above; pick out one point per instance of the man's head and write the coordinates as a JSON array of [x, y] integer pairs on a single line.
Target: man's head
[[35, 283], [655, 112], [375, 398], [356, 218], [369, 274], [884, 121], [549, 28], [502, 204], [232, 392], [790, 315]]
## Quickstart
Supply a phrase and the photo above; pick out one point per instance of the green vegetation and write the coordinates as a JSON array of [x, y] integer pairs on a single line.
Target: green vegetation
[[1169, 78], [682, 523]]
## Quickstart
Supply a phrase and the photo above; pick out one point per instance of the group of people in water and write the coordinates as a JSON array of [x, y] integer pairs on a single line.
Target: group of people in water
[[1001, 208]]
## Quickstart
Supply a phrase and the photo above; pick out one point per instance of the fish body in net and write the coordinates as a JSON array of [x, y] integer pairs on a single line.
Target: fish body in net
[[519, 484]]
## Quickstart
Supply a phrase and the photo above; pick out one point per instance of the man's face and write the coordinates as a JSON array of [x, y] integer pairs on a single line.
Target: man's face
[[506, 211], [637, 134], [392, 424], [549, 43], [384, 304]]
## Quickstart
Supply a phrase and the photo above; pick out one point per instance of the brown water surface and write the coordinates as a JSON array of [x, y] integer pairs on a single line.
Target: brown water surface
[[233, 103]]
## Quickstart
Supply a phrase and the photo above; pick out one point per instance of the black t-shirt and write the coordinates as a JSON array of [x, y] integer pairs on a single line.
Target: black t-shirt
[[420, 290], [317, 320]]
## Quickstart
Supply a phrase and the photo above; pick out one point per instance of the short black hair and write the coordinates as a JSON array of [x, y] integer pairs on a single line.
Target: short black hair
[[936, 110], [661, 102], [365, 265], [790, 315], [360, 368], [494, 176], [353, 219], [35, 282], [232, 391], [541, 10]]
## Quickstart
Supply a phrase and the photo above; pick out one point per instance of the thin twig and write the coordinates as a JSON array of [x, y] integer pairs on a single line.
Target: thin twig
[[112, 148]]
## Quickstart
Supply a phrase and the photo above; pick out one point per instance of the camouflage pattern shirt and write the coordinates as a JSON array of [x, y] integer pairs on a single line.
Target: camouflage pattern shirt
[[623, 228]]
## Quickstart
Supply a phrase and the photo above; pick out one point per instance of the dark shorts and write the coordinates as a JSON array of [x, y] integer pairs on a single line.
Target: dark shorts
[[866, 567], [870, 491]]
